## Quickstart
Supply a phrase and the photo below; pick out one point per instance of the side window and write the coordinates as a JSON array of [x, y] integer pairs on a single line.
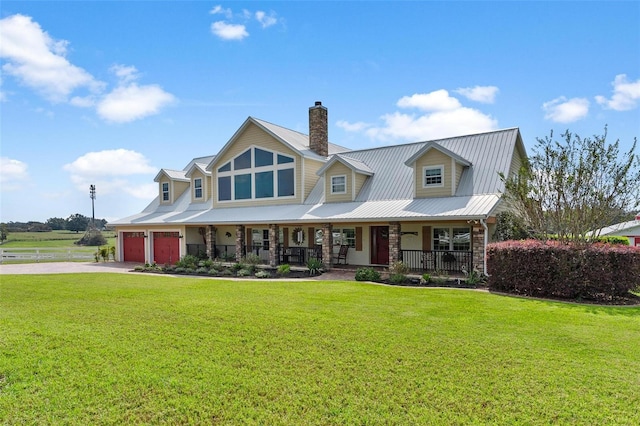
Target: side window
[[165, 191], [338, 184], [197, 188]]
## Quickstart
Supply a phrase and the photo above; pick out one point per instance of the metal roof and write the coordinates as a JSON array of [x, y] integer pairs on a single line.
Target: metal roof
[[471, 207]]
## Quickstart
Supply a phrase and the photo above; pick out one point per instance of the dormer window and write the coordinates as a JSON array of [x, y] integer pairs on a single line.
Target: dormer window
[[256, 174], [197, 188], [432, 176], [165, 191], [339, 184]]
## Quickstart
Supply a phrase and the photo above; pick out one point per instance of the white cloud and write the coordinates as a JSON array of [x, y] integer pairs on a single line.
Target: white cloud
[[563, 110], [352, 127], [438, 100], [625, 94], [113, 171], [266, 20], [125, 73], [132, 102], [484, 94], [39, 62], [443, 116], [115, 162], [12, 173], [219, 10], [229, 31]]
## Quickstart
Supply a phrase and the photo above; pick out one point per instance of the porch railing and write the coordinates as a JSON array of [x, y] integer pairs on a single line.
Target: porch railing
[[298, 255], [438, 260], [199, 250]]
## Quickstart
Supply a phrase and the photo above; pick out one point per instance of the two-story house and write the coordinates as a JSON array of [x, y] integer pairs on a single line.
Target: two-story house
[[287, 197]]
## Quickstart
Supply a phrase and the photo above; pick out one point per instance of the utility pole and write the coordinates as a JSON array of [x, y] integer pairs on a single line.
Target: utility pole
[[92, 192]]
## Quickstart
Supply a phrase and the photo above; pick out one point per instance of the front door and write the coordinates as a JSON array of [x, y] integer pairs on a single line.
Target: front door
[[379, 245]]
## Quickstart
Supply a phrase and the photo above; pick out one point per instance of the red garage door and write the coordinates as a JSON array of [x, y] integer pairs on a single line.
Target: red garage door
[[166, 248], [133, 246]]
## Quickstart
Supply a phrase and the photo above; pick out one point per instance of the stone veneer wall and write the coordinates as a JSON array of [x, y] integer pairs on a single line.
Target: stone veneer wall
[[239, 242], [327, 245], [274, 236], [477, 245], [211, 240], [394, 242]]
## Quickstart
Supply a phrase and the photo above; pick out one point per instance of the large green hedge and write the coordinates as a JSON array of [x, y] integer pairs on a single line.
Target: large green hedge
[[598, 272]]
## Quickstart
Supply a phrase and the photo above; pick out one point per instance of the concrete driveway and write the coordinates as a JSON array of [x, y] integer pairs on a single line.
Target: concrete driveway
[[65, 267]]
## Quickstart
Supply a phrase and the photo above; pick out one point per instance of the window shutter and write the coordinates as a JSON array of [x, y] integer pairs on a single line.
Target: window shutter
[[358, 238], [248, 240], [426, 238], [285, 237], [311, 237]]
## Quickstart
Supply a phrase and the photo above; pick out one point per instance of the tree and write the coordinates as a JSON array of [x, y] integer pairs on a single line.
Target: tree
[[57, 223], [4, 232], [574, 186], [77, 222]]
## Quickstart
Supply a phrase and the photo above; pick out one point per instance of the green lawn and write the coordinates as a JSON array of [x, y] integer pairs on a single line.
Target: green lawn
[[52, 239], [132, 349]]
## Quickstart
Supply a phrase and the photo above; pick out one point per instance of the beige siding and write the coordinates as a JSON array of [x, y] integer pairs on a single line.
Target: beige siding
[[178, 190], [433, 157], [310, 176], [338, 169], [254, 136], [205, 187], [459, 169], [360, 179]]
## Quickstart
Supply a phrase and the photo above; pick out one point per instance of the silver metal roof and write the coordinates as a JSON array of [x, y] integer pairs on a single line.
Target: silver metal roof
[[387, 194]]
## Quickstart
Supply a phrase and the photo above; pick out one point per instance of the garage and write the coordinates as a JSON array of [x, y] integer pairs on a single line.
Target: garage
[[166, 247], [133, 247]]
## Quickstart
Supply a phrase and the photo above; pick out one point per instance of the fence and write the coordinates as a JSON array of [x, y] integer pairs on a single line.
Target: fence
[[438, 260], [44, 254]]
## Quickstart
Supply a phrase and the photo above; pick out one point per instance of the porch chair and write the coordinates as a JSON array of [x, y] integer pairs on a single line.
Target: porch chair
[[342, 254]]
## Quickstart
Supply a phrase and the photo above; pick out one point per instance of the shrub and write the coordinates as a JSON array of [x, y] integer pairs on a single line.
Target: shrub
[[263, 274], [213, 271], [187, 261], [226, 273], [397, 278], [598, 272], [314, 266], [367, 274], [180, 270], [398, 272], [202, 270], [475, 278], [284, 269], [238, 266], [252, 259], [245, 272], [426, 278], [206, 263]]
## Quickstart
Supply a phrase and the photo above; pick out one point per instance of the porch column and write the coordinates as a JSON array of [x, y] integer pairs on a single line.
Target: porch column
[[395, 250], [477, 245], [327, 245], [239, 242], [211, 241], [274, 234]]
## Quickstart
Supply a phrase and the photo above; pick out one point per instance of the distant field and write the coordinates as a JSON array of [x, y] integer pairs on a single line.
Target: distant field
[[52, 239], [83, 349]]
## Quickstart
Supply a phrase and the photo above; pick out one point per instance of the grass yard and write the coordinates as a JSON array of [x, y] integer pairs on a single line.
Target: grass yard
[[51, 239], [132, 349]]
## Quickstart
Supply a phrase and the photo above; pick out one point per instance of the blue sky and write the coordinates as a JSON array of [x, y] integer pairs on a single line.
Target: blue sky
[[109, 92]]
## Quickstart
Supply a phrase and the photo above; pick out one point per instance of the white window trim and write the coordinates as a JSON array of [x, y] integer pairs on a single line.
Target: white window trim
[[195, 197], [253, 170], [344, 191], [162, 191], [424, 170]]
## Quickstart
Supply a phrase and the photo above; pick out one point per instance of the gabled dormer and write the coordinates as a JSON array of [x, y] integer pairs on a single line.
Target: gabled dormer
[[200, 183], [436, 171], [171, 185], [343, 178]]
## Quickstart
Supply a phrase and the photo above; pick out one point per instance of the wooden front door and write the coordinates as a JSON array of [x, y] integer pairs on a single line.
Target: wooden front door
[[379, 245]]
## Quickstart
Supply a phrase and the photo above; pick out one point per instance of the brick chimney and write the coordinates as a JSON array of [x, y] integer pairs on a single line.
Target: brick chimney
[[318, 129]]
